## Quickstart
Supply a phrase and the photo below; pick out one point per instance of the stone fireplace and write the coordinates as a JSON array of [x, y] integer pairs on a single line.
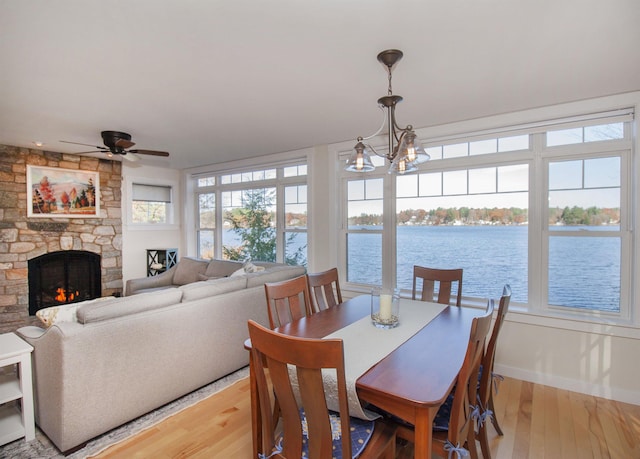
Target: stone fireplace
[[24, 239]]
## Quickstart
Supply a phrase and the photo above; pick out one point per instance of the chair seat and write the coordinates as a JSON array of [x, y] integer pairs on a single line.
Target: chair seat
[[361, 432], [441, 421]]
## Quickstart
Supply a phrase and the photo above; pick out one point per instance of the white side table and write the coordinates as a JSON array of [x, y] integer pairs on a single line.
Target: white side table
[[14, 422]]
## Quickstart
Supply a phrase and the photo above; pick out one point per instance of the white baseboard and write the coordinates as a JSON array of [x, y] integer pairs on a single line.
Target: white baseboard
[[559, 382]]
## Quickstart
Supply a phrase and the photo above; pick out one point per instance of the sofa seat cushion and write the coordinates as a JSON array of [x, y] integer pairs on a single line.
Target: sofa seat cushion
[[188, 270], [211, 288], [221, 268], [96, 311]]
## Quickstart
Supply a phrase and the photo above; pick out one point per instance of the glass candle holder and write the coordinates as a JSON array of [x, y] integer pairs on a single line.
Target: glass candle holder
[[385, 307]]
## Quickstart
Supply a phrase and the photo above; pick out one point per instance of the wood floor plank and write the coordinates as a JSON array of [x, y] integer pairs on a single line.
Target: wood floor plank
[[630, 425], [566, 429], [587, 444], [536, 444], [611, 421], [552, 443], [538, 422], [523, 427], [509, 420]]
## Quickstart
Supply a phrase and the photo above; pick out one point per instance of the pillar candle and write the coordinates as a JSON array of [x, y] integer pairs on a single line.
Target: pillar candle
[[385, 307]]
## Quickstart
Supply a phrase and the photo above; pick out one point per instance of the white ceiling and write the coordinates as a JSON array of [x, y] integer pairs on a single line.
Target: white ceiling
[[211, 81]]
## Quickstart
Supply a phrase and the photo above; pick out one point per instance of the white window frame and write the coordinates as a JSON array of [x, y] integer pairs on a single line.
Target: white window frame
[[279, 183], [170, 224]]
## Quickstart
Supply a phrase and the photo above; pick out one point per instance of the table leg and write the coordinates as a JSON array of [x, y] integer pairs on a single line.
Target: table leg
[[256, 419], [424, 432]]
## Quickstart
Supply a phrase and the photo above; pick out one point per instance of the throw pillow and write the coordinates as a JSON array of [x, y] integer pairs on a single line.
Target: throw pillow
[[188, 269], [57, 314], [251, 268], [239, 272], [222, 268], [247, 268]]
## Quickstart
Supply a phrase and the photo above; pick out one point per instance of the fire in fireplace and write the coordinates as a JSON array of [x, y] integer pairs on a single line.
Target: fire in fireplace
[[63, 277]]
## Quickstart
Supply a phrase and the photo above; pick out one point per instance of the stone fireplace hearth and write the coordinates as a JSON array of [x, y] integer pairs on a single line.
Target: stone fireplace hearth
[[23, 239]]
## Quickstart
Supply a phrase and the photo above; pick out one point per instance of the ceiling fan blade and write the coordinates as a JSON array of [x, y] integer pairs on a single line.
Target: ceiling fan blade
[[149, 152], [85, 144], [123, 143]]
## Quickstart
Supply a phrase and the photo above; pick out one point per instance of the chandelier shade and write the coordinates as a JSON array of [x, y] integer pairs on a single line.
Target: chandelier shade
[[360, 159], [404, 150]]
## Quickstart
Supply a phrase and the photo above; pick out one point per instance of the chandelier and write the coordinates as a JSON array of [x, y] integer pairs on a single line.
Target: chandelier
[[405, 152]]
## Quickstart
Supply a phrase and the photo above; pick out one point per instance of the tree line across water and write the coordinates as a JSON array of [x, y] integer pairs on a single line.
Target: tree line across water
[[591, 216]]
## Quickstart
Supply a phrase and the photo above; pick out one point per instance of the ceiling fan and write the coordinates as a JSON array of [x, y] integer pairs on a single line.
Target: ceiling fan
[[118, 143]]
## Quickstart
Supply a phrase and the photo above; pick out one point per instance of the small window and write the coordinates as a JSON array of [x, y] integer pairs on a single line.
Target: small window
[[151, 204]]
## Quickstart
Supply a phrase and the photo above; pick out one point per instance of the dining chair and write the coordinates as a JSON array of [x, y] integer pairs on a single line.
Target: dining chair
[[485, 392], [443, 278], [288, 300], [453, 426], [308, 428], [325, 289]]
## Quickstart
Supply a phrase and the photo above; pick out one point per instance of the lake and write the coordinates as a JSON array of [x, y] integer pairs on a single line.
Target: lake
[[493, 256]]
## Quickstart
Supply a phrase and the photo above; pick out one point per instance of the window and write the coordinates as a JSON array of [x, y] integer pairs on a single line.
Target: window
[[585, 239], [151, 204], [258, 214], [546, 211], [471, 218], [364, 231]]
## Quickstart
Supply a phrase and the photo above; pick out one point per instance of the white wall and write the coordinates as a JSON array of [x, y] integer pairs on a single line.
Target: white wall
[[137, 239]]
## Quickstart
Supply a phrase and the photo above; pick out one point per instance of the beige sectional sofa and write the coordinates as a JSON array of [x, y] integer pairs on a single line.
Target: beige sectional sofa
[[124, 357]]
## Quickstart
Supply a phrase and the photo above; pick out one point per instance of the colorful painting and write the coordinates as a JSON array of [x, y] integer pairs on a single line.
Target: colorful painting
[[55, 192]]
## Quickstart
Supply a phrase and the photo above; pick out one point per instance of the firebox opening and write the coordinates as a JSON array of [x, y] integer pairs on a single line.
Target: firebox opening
[[63, 277]]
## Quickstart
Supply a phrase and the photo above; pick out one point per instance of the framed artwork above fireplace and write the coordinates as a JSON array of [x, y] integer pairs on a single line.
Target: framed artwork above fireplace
[[54, 192]]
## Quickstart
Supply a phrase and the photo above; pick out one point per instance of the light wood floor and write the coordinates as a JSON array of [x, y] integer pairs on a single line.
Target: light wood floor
[[538, 422]]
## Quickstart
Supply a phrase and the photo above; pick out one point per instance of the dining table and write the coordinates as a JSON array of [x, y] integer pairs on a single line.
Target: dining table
[[410, 381]]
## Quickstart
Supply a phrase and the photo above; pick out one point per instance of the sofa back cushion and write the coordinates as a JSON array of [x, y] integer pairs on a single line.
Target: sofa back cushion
[[222, 268], [188, 270], [274, 274], [96, 311], [210, 288]]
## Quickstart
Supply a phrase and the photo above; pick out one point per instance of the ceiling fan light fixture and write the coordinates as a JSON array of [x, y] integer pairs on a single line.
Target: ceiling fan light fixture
[[118, 143]]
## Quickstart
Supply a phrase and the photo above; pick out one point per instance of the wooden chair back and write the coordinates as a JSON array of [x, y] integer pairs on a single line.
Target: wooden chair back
[[325, 289], [461, 422], [288, 300], [274, 353], [444, 278], [490, 351], [486, 376]]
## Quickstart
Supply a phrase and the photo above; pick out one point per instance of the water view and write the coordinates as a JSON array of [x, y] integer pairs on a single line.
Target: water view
[[492, 256]]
